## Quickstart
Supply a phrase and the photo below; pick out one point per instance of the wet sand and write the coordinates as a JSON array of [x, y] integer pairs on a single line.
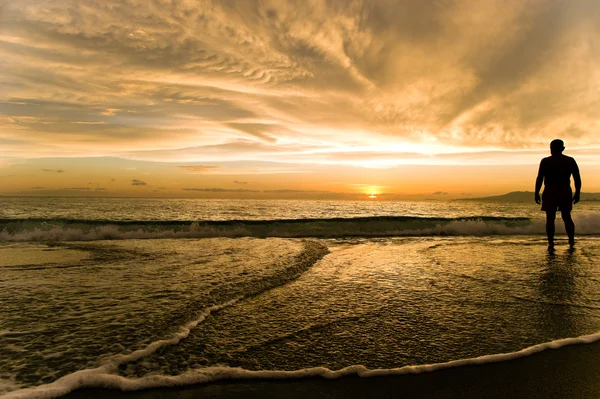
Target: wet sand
[[568, 372]]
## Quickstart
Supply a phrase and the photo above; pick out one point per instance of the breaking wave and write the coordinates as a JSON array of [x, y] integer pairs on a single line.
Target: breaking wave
[[384, 226]]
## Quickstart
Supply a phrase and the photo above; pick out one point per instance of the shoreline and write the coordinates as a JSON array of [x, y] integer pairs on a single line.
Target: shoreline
[[567, 372]]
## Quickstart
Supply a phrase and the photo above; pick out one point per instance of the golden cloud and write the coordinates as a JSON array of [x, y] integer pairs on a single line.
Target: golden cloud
[[198, 168]]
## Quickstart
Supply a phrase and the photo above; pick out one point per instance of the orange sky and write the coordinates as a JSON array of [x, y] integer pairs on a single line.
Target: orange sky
[[295, 99]]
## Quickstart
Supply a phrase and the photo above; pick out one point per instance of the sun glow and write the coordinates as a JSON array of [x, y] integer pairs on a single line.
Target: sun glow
[[372, 192]]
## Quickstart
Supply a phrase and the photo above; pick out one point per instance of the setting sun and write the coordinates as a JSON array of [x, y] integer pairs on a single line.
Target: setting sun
[[372, 192]]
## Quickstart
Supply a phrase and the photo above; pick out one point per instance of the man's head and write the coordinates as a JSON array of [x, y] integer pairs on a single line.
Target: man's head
[[557, 147]]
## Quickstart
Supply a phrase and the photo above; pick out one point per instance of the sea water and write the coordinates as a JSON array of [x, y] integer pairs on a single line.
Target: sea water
[[145, 293]]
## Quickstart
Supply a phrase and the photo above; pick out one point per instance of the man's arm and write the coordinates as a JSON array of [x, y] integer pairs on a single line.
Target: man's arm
[[538, 182], [577, 181]]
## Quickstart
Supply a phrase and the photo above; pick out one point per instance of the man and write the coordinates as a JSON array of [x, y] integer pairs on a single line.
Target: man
[[555, 171]]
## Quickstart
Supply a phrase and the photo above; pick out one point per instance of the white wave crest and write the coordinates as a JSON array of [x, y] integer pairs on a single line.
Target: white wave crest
[[112, 232], [586, 224]]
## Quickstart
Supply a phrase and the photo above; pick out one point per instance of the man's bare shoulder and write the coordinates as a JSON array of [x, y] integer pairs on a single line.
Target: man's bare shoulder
[[558, 158], [573, 165], [567, 160]]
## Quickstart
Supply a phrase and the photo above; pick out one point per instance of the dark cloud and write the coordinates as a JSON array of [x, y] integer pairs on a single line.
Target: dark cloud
[[440, 193], [76, 188], [295, 191], [221, 190], [136, 182], [37, 188], [53, 170], [239, 182]]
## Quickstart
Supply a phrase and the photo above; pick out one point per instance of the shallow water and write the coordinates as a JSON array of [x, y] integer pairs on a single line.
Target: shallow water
[[286, 304]]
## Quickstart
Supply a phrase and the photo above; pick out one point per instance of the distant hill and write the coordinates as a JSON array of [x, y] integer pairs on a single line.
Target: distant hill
[[526, 196]]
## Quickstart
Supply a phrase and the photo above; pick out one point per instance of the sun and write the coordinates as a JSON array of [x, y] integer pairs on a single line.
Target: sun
[[372, 192]]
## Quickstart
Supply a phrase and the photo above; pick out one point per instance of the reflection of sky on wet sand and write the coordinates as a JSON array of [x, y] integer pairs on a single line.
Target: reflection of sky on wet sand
[[381, 302], [392, 302]]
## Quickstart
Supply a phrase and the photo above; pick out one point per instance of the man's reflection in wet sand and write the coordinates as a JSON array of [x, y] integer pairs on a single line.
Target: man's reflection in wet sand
[[559, 290]]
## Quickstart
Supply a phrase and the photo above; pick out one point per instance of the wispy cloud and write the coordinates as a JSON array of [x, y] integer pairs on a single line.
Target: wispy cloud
[[53, 170], [198, 168], [102, 79]]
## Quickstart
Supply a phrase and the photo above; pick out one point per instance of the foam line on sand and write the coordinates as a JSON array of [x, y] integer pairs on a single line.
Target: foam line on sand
[[505, 363]]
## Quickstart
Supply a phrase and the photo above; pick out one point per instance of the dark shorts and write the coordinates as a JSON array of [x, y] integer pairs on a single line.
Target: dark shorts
[[557, 198]]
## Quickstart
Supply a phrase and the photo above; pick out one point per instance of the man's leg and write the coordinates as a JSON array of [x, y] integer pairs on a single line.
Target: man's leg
[[550, 217], [569, 226]]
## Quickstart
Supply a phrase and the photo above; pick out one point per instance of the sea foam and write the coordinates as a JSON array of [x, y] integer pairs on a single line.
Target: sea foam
[[104, 377], [82, 378]]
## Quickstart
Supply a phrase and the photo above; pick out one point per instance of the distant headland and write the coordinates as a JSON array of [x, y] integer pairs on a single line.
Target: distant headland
[[525, 196]]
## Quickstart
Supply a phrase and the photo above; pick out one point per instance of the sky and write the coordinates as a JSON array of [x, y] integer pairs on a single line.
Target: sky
[[295, 99]]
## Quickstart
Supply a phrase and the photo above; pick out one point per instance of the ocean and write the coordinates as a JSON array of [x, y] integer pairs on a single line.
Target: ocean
[[149, 293]]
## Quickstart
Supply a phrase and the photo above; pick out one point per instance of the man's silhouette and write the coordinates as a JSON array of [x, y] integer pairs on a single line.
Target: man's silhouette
[[555, 172]]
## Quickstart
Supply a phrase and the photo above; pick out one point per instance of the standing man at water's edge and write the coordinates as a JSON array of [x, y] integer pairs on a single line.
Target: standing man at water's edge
[[555, 172]]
